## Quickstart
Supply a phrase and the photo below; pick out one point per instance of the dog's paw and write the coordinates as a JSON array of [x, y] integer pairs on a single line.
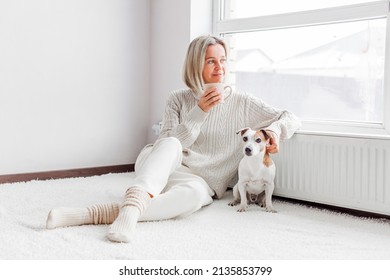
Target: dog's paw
[[233, 203], [271, 210], [241, 209]]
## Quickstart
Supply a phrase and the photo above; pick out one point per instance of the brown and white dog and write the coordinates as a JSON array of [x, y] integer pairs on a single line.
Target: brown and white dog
[[256, 172]]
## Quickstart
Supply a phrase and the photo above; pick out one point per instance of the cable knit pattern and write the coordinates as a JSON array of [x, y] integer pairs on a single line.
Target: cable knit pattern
[[211, 148]]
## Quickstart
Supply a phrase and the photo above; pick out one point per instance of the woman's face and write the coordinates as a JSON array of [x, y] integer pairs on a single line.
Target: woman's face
[[214, 66]]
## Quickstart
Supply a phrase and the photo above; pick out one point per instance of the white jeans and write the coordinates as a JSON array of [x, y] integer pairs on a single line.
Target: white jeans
[[176, 190]]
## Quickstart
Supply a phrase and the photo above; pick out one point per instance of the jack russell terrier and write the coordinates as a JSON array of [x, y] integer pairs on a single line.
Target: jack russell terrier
[[256, 172]]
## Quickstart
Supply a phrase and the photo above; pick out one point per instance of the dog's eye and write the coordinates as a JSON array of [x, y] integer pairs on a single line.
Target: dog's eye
[[258, 140], [245, 139]]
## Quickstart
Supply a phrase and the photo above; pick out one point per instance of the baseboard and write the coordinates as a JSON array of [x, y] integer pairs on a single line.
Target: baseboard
[[61, 174], [349, 211]]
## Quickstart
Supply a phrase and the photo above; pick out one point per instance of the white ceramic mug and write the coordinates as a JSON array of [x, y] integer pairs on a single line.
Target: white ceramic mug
[[221, 88]]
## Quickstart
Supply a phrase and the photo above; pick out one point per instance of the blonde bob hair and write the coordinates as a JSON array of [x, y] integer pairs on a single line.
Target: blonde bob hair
[[195, 60]]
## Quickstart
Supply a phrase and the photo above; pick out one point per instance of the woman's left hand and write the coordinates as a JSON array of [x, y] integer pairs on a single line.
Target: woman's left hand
[[273, 146]]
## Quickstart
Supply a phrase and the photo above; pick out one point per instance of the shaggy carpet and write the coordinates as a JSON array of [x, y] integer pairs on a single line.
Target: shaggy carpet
[[217, 231]]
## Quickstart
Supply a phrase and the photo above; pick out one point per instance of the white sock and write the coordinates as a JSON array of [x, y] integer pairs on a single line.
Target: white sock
[[64, 217], [96, 214], [123, 228]]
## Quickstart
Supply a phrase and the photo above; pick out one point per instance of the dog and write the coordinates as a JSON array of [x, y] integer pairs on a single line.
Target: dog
[[256, 172]]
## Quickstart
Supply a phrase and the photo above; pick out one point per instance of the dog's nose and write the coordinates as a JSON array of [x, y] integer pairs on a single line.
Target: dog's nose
[[248, 151]]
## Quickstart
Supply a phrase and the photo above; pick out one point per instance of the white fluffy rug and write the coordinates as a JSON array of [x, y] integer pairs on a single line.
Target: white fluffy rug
[[215, 232]]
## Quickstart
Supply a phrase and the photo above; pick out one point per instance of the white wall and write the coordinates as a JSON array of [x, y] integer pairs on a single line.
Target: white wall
[[73, 83], [170, 25], [174, 23], [83, 81]]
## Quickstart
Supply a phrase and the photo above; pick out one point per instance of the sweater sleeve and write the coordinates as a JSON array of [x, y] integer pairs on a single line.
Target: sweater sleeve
[[261, 115], [185, 127]]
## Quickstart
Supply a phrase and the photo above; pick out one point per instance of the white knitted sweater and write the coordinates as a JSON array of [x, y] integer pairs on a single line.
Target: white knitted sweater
[[211, 147]]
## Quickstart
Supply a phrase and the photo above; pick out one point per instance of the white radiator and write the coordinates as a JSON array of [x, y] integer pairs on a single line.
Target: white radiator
[[347, 172]]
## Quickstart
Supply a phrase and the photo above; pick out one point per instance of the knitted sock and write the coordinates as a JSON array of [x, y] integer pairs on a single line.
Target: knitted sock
[[64, 217], [122, 230], [104, 213], [96, 214]]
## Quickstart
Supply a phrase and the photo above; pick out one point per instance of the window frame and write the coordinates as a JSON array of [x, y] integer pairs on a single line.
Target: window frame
[[348, 13]]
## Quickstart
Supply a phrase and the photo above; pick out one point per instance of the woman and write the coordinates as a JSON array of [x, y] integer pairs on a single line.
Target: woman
[[197, 154]]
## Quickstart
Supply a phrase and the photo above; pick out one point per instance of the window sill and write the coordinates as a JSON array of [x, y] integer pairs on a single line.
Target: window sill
[[348, 130]]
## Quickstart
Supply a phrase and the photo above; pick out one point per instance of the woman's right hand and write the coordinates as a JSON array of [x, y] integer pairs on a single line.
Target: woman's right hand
[[209, 99]]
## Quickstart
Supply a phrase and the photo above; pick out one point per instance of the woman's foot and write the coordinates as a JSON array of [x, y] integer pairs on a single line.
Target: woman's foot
[[123, 228], [65, 217]]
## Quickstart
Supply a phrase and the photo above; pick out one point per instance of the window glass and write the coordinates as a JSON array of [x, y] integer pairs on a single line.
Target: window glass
[[327, 72], [253, 8]]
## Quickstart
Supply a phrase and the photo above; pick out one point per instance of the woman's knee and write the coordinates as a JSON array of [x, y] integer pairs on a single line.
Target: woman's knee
[[170, 142], [167, 150]]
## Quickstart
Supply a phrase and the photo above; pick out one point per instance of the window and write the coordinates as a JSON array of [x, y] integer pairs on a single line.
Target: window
[[323, 60], [253, 8]]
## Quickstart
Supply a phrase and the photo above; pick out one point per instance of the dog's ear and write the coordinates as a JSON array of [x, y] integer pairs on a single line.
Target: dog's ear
[[243, 130], [266, 136]]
